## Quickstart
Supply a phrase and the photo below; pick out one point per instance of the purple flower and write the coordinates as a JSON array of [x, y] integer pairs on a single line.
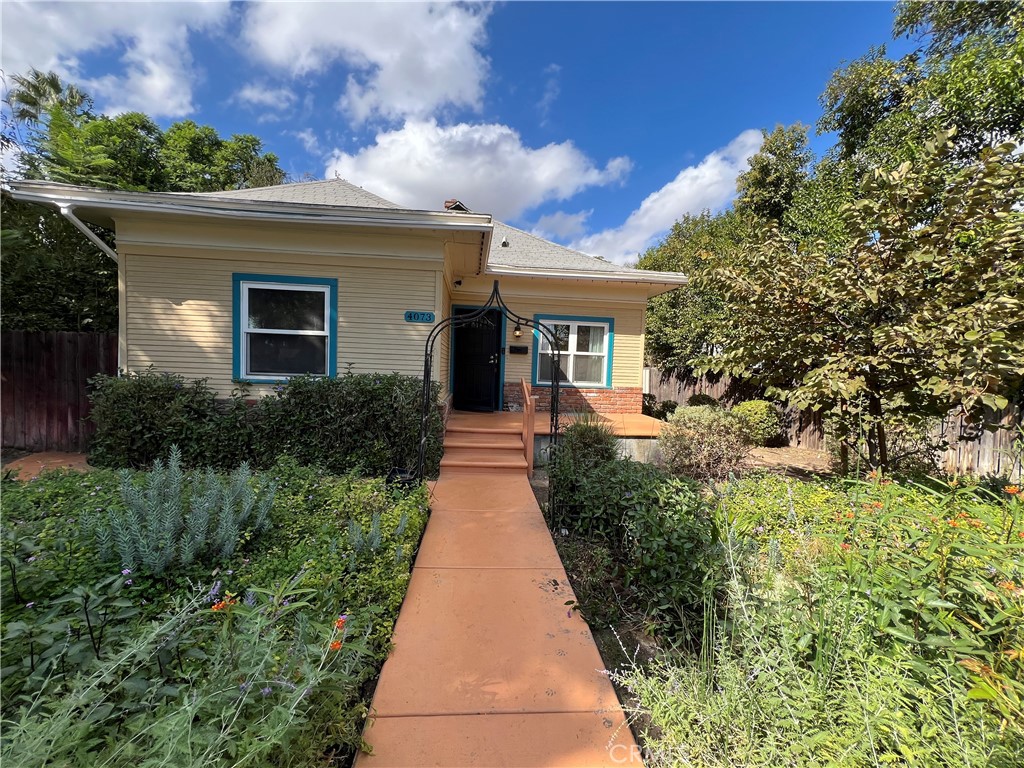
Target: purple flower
[[265, 691], [32, 559], [214, 591], [126, 571], [29, 605], [128, 582]]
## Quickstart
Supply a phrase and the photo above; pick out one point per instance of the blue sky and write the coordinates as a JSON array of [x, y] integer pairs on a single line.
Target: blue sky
[[594, 124]]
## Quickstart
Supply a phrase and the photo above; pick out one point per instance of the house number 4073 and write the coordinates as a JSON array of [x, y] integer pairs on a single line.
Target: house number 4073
[[419, 317]]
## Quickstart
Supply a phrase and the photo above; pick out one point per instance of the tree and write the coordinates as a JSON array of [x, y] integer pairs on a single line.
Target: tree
[[682, 325], [966, 74], [34, 94], [923, 312], [52, 277], [778, 169], [197, 159]]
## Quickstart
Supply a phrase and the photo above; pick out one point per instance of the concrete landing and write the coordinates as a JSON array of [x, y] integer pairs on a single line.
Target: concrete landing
[[490, 665]]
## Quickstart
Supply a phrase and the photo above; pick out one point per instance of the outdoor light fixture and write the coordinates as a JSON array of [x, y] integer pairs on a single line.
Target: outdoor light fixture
[[517, 331]]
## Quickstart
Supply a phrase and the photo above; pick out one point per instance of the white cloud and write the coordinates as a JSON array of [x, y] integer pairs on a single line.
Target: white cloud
[[486, 166], [410, 59], [157, 75], [263, 95], [552, 90], [710, 184], [561, 225], [309, 140]]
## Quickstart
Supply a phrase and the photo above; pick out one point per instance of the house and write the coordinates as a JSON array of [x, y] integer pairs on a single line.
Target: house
[[257, 285]]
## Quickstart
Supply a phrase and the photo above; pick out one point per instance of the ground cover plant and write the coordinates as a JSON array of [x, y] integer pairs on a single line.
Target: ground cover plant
[[255, 653]]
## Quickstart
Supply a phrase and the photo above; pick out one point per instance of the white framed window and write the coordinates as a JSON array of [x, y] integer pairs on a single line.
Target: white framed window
[[585, 345], [284, 327]]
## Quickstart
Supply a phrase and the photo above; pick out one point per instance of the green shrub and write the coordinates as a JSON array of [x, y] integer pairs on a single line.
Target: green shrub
[[657, 525], [703, 443], [176, 519], [761, 421], [585, 444], [701, 399], [139, 416], [364, 422]]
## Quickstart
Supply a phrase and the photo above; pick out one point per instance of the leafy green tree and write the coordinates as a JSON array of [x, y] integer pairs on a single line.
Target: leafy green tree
[[923, 312], [197, 159], [682, 325], [778, 169]]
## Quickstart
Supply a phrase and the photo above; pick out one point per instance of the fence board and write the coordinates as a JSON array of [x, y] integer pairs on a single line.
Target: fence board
[[43, 375], [972, 451]]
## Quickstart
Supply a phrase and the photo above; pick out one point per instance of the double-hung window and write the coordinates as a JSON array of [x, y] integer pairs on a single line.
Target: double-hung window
[[284, 326], [585, 345]]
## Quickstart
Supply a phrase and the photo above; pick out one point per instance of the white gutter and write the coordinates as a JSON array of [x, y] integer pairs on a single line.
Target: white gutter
[[68, 212], [418, 219]]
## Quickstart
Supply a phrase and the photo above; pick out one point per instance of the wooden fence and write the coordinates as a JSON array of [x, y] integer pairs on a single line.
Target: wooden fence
[[803, 428], [43, 377], [972, 451]]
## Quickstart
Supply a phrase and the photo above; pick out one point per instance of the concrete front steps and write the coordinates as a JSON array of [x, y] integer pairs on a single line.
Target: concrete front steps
[[479, 445]]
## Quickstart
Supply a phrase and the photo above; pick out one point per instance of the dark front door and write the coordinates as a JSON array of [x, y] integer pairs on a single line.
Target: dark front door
[[477, 348]]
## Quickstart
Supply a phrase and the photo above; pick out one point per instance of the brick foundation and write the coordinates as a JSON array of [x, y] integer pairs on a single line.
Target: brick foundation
[[575, 400]]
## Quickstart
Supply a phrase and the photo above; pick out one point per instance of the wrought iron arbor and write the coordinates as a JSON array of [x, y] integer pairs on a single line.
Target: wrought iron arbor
[[494, 301]]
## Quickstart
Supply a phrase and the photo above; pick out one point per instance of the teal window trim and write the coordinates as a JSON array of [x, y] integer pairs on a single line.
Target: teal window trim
[[609, 321], [237, 280], [501, 354]]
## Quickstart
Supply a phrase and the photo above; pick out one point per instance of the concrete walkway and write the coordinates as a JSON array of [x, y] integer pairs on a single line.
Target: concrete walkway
[[490, 665]]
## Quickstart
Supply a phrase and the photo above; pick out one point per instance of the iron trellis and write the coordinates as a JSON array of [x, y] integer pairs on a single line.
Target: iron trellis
[[494, 301]]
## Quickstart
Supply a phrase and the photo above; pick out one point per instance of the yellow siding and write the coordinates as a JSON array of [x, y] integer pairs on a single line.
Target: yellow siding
[[179, 313]]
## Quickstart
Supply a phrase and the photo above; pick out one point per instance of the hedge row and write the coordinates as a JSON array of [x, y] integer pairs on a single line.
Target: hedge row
[[364, 423]]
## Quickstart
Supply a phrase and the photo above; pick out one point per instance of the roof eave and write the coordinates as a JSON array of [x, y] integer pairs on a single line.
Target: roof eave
[[170, 203], [669, 280]]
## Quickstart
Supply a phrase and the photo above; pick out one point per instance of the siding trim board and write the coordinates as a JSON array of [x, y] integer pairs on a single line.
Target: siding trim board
[[238, 278]]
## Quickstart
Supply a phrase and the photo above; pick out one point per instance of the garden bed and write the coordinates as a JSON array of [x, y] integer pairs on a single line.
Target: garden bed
[[263, 652], [825, 623]]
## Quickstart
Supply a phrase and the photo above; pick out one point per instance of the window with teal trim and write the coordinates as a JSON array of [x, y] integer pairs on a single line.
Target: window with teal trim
[[584, 347], [284, 327]]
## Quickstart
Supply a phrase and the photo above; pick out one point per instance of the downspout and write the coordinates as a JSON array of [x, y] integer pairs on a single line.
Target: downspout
[[68, 212]]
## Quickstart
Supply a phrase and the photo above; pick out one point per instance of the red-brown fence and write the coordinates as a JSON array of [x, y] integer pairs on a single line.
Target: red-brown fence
[[971, 451], [43, 376]]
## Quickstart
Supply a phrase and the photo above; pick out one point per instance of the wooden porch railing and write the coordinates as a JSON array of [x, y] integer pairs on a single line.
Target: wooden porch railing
[[529, 411]]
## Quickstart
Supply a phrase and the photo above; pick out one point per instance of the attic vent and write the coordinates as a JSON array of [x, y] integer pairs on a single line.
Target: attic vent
[[455, 205], [504, 243]]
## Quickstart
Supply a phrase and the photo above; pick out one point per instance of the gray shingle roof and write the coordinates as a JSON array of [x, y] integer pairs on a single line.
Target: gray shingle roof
[[524, 250], [330, 192], [532, 252]]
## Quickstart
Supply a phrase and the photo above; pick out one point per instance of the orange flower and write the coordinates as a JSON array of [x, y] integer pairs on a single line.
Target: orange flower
[[845, 546], [1013, 490], [336, 645], [340, 623]]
